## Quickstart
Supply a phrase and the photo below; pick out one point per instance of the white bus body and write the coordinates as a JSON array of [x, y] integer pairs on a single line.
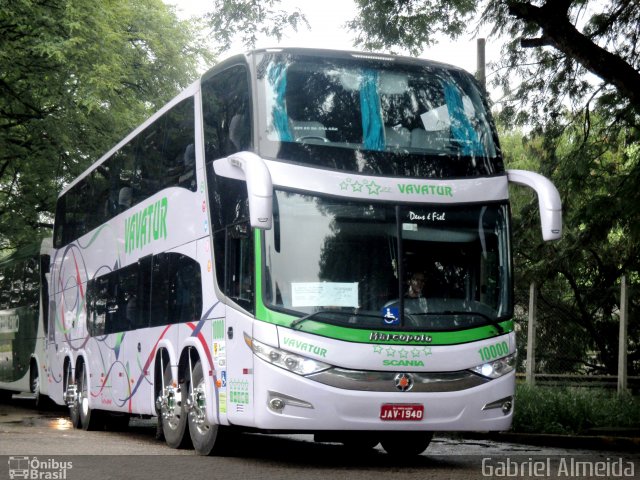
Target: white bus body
[[253, 276]]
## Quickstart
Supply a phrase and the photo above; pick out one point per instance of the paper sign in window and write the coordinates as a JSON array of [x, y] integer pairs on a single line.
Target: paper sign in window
[[324, 294]]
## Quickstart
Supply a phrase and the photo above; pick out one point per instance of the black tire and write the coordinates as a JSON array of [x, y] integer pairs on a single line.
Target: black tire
[[360, 442], [74, 408], [406, 444], [207, 439], [89, 419], [175, 428], [41, 401]]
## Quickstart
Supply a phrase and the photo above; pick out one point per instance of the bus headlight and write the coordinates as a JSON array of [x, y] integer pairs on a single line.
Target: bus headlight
[[284, 359], [497, 368]]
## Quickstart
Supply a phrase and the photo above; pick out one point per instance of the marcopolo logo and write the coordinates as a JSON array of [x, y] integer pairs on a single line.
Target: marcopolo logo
[[38, 469], [400, 337]]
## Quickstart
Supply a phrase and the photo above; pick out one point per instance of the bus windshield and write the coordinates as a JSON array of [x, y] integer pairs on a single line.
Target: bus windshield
[[367, 265], [380, 117]]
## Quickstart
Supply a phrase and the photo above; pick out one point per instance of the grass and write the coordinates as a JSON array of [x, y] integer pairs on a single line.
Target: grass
[[573, 410]]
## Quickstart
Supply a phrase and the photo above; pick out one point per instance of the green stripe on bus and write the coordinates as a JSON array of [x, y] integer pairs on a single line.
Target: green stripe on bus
[[372, 336]]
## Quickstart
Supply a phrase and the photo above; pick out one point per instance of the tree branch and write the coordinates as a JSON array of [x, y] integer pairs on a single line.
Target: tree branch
[[552, 18], [535, 42]]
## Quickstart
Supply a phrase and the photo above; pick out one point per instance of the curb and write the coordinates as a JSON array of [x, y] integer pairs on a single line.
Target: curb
[[586, 442]]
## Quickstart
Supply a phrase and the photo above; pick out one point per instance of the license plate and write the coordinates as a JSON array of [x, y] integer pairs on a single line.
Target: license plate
[[401, 412]]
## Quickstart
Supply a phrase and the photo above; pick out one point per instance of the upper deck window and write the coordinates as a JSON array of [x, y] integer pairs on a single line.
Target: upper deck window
[[375, 117]]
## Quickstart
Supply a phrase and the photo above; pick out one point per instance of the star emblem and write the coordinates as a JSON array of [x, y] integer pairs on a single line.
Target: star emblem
[[374, 188], [357, 186]]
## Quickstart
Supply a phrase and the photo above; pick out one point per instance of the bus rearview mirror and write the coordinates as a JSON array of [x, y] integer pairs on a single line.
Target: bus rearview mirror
[[250, 168], [549, 201]]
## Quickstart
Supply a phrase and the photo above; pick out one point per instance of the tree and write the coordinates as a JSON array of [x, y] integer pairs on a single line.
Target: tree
[[551, 45], [75, 76], [578, 277]]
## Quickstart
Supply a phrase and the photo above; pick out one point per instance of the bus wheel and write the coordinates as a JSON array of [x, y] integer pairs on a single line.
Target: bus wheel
[[71, 398], [206, 438], [172, 413], [35, 386], [406, 443], [89, 419]]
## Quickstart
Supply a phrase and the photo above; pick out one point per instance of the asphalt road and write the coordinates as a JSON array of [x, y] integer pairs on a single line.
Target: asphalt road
[[43, 445]]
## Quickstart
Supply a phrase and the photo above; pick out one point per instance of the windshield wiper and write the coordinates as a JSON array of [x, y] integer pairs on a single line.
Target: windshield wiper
[[494, 322], [330, 313], [300, 320]]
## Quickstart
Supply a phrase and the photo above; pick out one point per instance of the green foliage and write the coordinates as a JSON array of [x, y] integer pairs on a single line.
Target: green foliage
[[75, 76], [578, 277], [572, 410], [249, 19], [409, 24], [562, 54]]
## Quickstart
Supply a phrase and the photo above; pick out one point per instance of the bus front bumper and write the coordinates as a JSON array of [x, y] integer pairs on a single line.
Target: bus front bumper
[[283, 400]]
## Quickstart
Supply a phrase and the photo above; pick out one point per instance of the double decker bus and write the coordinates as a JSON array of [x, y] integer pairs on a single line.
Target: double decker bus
[[243, 260], [24, 297]]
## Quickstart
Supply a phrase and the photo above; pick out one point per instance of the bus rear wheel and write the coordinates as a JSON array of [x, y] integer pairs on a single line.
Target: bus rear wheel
[[89, 419], [71, 397], [405, 444], [207, 439], [172, 416]]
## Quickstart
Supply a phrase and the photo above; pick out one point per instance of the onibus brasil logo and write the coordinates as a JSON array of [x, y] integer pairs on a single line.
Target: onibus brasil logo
[[34, 468]]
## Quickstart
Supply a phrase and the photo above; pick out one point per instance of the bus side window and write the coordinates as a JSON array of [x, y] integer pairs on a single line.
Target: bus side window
[[161, 156], [231, 235], [159, 290], [178, 151], [4, 288], [127, 298], [144, 292], [176, 289], [239, 283], [226, 113], [97, 294], [186, 298]]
